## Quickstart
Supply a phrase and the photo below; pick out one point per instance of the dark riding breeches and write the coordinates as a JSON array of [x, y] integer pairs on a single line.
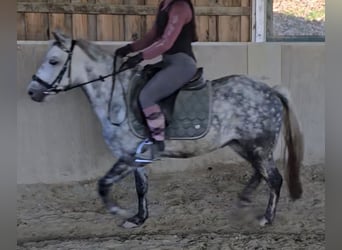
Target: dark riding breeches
[[179, 69]]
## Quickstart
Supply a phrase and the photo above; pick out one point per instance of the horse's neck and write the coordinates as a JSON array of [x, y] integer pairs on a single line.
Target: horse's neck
[[99, 92]]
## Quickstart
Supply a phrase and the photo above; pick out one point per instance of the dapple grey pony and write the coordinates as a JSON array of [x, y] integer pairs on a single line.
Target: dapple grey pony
[[247, 115]]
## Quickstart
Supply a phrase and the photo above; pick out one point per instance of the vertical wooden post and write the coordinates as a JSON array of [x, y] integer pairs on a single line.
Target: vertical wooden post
[[260, 20]]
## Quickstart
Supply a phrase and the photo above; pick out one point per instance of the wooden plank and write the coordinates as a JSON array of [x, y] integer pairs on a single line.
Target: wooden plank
[[150, 19], [110, 27], [202, 23], [37, 24], [206, 24], [245, 23], [212, 24], [21, 26], [81, 8], [79, 23], [216, 20], [119, 27], [58, 21], [92, 24], [236, 23], [229, 26], [223, 23], [134, 24], [21, 30]]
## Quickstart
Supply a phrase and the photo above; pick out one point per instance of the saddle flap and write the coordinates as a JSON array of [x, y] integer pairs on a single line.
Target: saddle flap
[[187, 111]]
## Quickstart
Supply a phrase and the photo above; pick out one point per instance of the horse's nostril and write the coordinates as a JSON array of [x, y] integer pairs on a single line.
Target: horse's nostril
[[30, 93]]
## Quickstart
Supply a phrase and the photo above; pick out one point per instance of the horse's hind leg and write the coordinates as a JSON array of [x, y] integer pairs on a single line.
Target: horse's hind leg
[[274, 180], [255, 179], [261, 159], [252, 184]]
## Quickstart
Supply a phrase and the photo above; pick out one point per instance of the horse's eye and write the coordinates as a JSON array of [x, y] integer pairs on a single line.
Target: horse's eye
[[53, 62]]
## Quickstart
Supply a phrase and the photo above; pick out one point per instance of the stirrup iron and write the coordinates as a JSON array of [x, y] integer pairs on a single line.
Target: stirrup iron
[[140, 149]]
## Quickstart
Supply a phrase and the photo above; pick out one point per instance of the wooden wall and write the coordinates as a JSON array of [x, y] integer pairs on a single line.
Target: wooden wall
[[125, 20]]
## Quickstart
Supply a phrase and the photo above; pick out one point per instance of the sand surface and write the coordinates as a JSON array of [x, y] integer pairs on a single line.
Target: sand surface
[[188, 210]]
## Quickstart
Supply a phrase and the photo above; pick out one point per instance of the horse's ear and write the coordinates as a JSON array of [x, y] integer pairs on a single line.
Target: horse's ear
[[61, 38]]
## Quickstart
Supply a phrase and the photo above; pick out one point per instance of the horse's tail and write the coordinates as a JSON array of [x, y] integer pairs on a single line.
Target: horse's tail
[[295, 144]]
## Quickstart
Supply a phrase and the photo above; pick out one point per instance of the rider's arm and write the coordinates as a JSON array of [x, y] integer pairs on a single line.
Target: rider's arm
[[147, 40], [179, 15]]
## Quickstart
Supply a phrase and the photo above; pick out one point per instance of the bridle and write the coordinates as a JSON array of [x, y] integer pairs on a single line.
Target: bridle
[[53, 88]]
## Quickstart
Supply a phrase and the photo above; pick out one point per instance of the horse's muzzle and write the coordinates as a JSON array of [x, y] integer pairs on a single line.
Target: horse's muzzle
[[36, 95]]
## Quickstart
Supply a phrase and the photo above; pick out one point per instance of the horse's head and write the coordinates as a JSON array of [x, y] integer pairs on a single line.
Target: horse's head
[[51, 76]]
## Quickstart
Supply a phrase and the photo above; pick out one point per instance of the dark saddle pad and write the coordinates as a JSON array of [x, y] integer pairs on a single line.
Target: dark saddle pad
[[187, 112]]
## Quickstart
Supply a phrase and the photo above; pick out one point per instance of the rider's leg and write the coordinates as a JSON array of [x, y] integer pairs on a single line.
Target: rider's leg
[[179, 70], [156, 122]]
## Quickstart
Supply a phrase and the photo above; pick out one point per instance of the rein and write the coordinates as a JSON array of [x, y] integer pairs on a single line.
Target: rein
[[52, 89]]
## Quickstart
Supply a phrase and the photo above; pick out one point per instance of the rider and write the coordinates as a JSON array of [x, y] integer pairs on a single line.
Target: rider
[[171, 36]]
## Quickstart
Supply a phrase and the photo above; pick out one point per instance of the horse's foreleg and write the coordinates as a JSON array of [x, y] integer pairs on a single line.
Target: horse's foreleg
[[141, 182], [119, 170]]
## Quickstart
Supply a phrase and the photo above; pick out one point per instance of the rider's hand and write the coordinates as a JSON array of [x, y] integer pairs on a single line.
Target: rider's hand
[[134, 60], [123, 51]]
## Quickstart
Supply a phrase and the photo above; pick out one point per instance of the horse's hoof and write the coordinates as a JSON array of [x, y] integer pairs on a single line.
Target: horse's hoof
[[263, 221], [133, 222], [128, 225], [114, 210]]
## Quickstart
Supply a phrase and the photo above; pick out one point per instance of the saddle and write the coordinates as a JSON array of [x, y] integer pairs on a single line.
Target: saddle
[[187, 111]]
